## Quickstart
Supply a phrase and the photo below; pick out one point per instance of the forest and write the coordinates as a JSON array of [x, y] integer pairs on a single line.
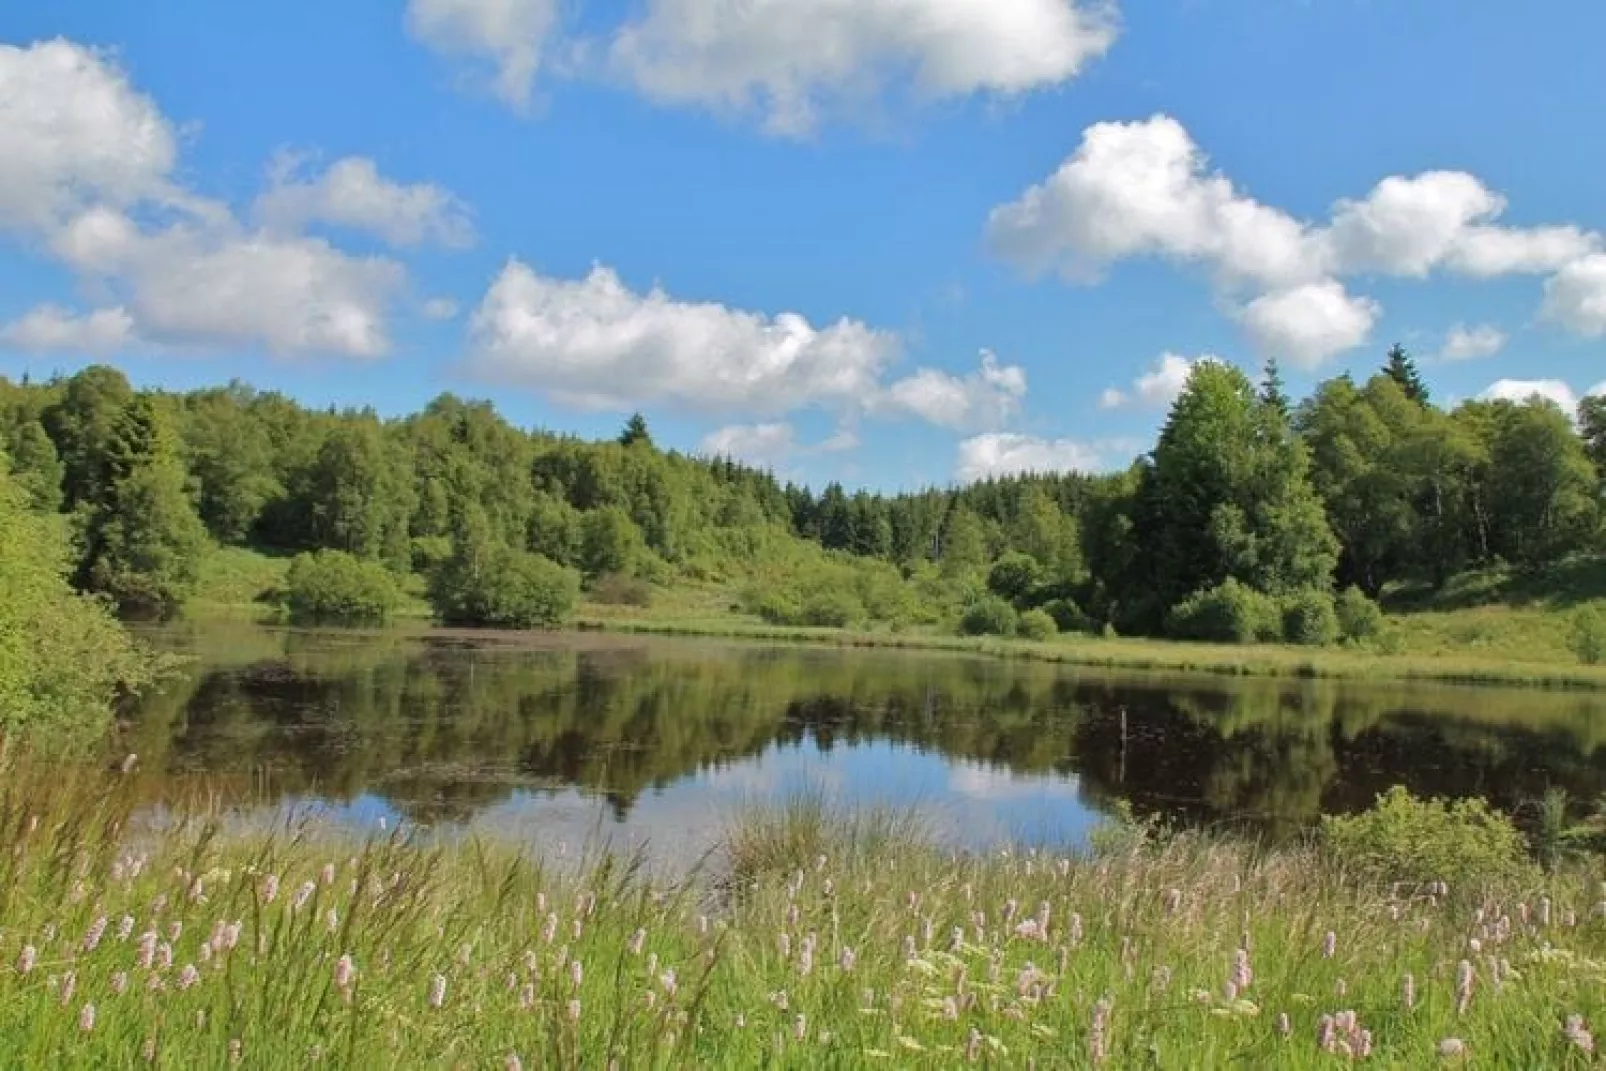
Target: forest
[[1253, 518]]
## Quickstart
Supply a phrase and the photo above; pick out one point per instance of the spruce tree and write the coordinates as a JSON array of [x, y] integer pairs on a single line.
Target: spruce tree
[[1401, 368]]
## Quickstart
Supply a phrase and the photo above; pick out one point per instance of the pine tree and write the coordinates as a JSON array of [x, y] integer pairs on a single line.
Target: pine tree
[[635, 431], [1401, 368], [1272, 392]]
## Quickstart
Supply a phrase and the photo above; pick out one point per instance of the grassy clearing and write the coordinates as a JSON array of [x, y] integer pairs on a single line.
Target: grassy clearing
[[807, 942]]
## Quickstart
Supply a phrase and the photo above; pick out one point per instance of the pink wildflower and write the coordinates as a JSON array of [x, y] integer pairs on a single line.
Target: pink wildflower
[[437, 991], [86, 1018], [26, 959]]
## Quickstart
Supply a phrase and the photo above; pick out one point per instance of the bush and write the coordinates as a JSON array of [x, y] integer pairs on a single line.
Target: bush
[[1309, 618], [831, 609], [1359, 618], [618, 589], [776, 607], [1402, 838], [1228, 613], [1586, 635], [1068, 617], [333, 587], [989, 615], [1037, 625], [1014, 577], [509, 589]]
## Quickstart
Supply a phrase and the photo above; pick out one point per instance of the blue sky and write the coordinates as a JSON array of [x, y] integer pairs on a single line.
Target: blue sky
[[795, 235]]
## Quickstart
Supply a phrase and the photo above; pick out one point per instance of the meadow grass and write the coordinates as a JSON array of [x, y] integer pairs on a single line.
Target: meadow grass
[[810, 939]]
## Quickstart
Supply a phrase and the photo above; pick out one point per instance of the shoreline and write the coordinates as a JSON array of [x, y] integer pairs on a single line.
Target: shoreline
[[1145, 655]]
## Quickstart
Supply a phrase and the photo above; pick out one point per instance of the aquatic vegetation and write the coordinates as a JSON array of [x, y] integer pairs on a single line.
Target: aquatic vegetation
[[810, 939]]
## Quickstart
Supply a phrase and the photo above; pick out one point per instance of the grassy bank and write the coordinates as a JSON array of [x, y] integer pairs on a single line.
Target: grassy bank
[[1445, 667], [1517, 640], [809, 940]]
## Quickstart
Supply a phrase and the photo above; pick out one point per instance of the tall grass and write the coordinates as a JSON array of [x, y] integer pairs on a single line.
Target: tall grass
[[809, 941]]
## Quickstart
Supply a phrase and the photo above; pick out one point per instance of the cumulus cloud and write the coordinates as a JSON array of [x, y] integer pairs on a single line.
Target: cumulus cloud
[[511, 35], [87, 167], [51, 328], [74, 132], [1575, 297], [352, 193], [757, 444], [1003, 453], [1309, 324], [1145, 189], [789, 60], [988, 397], [1158, 387], [594, 343], [1465, 343], [1522, 390]]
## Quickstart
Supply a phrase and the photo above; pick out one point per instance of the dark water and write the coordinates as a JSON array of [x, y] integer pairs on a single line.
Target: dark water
[[657, 741]]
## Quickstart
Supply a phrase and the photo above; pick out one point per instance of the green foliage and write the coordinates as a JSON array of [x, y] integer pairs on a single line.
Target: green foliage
[[1228, 497], [989, 615], [1068, 617], [333, 587], [1230, 612], [1406, 839], [1359, 618], [1037, 625], [1014, 577], [1586, 634], [507, 588], [1401, 368], [609, 542], [831, 609], [1310, 619], [64, 660]]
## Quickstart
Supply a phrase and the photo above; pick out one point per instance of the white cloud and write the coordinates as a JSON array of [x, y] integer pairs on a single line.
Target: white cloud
[[440, 308], [1575, 297], [1411, 225], [511, 34], [1144, 189], [789, 60], [594, 343], [1309, 324], [1465, 343], [86, 171], [51, 328], [986, 398], [1004, 453], [1521, 390], [757, 444], [352, 193], [73, 131], [1156, 388]]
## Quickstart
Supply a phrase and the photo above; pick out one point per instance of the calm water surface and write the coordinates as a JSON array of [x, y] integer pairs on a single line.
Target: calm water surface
[[655, 742]]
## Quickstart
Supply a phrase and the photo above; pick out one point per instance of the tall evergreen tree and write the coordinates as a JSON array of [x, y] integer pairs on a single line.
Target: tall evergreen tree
[[1401, 368], [1272, 391], [635, 431]]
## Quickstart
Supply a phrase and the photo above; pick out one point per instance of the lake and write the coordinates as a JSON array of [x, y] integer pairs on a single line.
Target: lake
[[579, 738]]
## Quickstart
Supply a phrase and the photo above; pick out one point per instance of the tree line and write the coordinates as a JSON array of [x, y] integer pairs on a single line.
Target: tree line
[[1253, 517]]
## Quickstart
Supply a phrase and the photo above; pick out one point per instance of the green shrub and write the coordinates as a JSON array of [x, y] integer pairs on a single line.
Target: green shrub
[[618, 589], [831, 609], [1359, 618], [1586, 635], [1402, 838], [1068, 617], [1037, 625], [333, 587], [1310, 619], [989, 615], [1231, 612], [507, 589], [777, 608], [1014, 577]]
